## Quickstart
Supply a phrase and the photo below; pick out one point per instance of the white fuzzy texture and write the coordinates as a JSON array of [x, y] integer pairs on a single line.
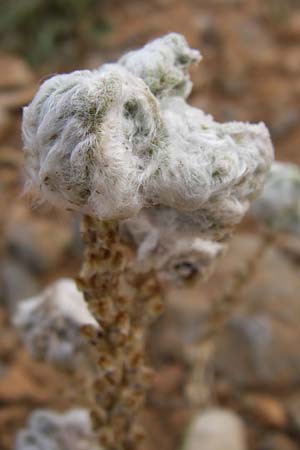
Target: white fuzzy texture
[[175, 257], [163, 64], [48, 430], [80, 148], [278, 207], [101, 142], [50, 322]]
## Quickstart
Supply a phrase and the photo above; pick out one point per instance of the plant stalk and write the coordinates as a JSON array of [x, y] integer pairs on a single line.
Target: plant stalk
[[124, 303]]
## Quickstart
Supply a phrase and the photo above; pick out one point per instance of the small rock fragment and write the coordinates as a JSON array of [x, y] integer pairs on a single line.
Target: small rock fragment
[[16, 74], [276, 441], [278, 206], [267, 410], [216, 429]]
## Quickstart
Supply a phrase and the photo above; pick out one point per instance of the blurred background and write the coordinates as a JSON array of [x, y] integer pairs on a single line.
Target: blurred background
[[250, 71]]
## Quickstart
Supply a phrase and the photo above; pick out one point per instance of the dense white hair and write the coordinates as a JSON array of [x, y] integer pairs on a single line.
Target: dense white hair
[[107, 144], [175, 256], [163, 64]]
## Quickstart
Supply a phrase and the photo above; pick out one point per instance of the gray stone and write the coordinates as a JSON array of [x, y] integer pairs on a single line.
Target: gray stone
[[39, 239], [16, 283], [259, 346]]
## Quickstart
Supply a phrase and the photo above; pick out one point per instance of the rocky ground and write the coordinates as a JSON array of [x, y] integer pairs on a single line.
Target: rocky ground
[[250, 71]]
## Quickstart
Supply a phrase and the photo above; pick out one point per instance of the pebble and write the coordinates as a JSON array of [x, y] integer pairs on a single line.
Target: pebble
[[5, 122], [40, 241], [293, 411], [11, 160], [276, 441], [16, 74], [259, 347], [168, 379], [16, 283], [216, 429], [266, 410], [14, 100]]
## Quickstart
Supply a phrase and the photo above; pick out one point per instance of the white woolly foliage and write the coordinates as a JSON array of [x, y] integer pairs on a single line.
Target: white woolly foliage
[[174, 256], [102, 143], [163, 64], [278, 207], [48, 430], [84, 148], [212, 169], [49, 323]]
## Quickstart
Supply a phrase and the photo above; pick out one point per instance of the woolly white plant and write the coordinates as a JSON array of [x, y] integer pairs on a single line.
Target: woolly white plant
[[174, 257], [48, 430], [278, 206], [99, 141], [50, 322], [121, 141], [163, 65]]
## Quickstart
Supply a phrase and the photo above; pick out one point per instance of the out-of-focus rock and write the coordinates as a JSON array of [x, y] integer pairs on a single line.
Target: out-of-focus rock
[[290, 246], [293, 411], [17, 82], [256, 351], [15, 72], [290, 28], [11, 160], [40, 241], [266, 410], [276, 441], [9, 342], [259, 347], [226, 2], [10, 417], [278, 206], [17, 386], [168, 379], [5, 122], [284, 122], [291, 60], [17, 282], [245, 45], [17, 98], [216, 429], [186, 319]]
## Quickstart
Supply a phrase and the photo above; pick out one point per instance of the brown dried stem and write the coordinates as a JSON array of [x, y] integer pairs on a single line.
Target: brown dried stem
[[123, 303], [229, 300], [224, 307]]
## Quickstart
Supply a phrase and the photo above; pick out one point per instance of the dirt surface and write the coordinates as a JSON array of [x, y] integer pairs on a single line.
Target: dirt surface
[[250, 71]]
